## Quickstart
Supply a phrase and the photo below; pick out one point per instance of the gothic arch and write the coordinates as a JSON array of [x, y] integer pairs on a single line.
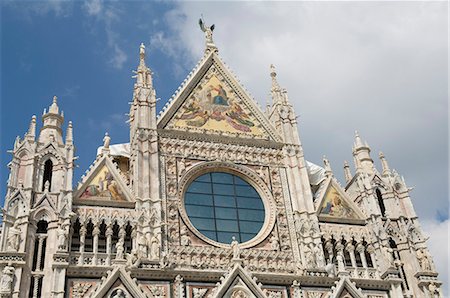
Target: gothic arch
[[43, 213]]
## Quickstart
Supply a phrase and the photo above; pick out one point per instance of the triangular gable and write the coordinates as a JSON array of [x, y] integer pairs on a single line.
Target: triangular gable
[[346, 289], [117, 278], [335, 205], [213, 102], [45, 200], [103, 183], [235, 281]]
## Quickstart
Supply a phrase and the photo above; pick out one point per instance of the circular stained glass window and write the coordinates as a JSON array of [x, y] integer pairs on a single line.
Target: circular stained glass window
[[222, 205]]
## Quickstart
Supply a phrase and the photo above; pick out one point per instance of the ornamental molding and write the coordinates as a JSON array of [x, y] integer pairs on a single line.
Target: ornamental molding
[[243, 172]]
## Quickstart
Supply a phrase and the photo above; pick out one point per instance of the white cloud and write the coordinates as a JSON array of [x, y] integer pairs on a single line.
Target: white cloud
[[108, 14], [439, 247], [376, 67]]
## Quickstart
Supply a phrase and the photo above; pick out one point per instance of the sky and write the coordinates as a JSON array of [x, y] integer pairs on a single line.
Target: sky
[[377, 67]]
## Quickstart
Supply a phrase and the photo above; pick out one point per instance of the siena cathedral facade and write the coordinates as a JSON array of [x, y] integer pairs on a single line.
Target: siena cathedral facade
[[212, 197]]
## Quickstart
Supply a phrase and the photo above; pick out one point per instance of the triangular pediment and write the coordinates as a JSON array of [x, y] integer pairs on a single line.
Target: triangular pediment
[[103, 184], [212, 102], [335, 205], [118, 279], [346, 289], [238, 283]]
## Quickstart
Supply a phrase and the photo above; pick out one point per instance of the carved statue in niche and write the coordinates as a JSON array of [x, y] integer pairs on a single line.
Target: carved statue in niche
[[154, 247], [184, 236], [7, 279], [181, 167], [13, 240], [62, 233], [142, 246], [118, 294], [238, 293], [309, 258], [236, 249], [120, 249], [389, 255], [46, 186], [424, 260], [320, 259], [274, 243]]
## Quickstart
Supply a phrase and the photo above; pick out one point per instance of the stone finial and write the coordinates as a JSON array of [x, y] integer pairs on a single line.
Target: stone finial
[[273, 75], [358, 141], [347, 172], [106, 141], [384, 165], [31, 133], [328, 170], [54, 109], [210, 46], [69, 133]]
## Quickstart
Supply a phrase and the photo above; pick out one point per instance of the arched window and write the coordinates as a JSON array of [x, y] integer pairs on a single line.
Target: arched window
[[38, 259], [75, 243], [89, 240], [102, 238], [380, 202], [128, 241], [48, 171]]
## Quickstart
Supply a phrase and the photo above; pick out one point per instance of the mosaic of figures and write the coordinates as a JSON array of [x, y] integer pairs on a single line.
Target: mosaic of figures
[[103, 186], [334, 205], [215, 107]]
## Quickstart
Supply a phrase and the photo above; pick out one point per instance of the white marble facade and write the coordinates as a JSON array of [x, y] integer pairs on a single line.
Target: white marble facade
[[128, 228]]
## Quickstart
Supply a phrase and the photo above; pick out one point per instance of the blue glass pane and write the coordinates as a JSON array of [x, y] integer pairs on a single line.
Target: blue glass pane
[[221, 205], [246, 237], [225, 237], [250, 227], [200, 187], [239, 181], [222, 178], [227, 225], [246, 191], [210, 234], [223, 189], [198, 199], [200, 211], [249, 203], [204, 178], [224, 201], [226, 213], [253, 215], [203, 223]]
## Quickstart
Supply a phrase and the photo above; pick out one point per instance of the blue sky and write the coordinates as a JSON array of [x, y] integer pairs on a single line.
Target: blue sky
[[377, 67]]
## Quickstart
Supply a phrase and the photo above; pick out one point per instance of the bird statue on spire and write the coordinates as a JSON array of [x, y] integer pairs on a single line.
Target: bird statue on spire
[[208, 34]]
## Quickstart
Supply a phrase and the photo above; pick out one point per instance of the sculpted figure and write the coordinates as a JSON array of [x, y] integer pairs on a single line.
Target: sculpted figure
[[7, 279], [208, 32], [47, 186], [13, 240], [235, 247], [274, 243], [154, 247], [119, 294], [320, 259], [106, 141], [62, 238], [119, 249], [424, 261], [185, 241]]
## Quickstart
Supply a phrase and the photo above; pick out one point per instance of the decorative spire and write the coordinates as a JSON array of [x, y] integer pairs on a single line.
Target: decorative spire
[[106, 141], [54, 109], [143, 73], [273, 75], [384, 165], [142, 55], [357, 162], [69, 133], [347, 173], [358, 141], [210, 46], [31, 134], [328, 170]]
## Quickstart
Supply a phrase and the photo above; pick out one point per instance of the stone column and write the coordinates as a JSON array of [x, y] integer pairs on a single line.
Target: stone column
[[371, 251], [95, 233], [351, 250], [134, 238], [360, 248], [329, 248], [109, 232], [340, 258], [83, 232], [39, 252]]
